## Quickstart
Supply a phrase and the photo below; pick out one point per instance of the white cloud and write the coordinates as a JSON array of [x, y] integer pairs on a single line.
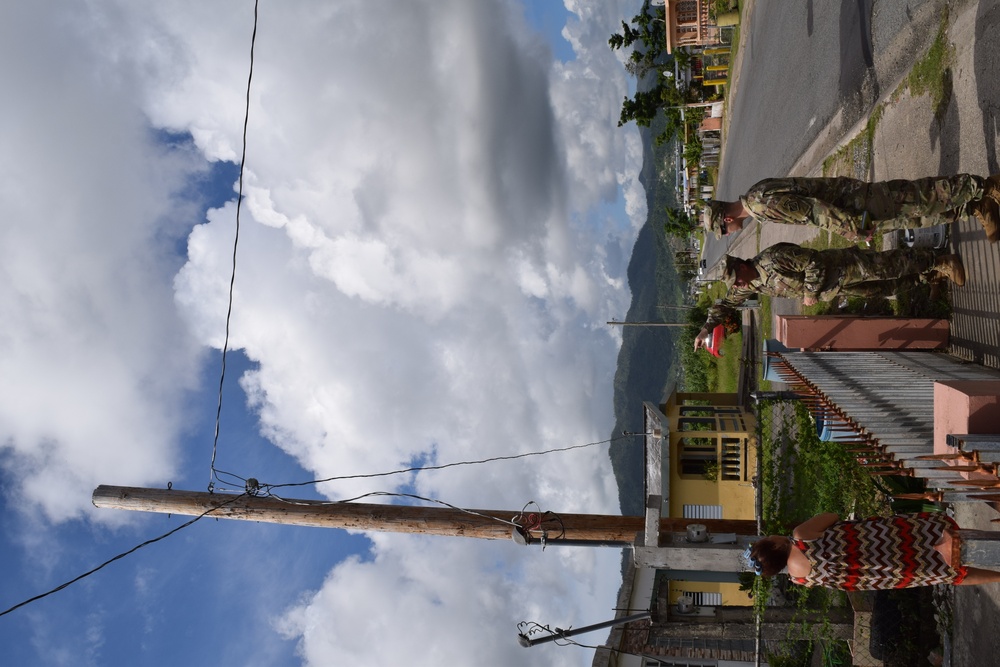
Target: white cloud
[[95, 358], [420, 604], [428, 253]]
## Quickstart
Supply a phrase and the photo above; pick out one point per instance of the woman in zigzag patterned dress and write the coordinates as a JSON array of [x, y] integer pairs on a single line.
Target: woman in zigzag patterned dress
[[871, 554]]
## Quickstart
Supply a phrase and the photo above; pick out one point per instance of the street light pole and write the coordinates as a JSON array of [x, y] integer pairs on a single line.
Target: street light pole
[[647, 324]]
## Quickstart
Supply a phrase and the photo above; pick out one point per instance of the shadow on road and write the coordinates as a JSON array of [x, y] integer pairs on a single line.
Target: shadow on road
[[945, 131], [986, 61]]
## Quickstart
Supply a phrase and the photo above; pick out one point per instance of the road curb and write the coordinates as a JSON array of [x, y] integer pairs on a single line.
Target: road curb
[[736, 63]]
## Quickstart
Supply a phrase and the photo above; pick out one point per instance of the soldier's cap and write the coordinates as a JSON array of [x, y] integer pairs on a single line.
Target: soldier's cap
[[712, 217], [729, 272]]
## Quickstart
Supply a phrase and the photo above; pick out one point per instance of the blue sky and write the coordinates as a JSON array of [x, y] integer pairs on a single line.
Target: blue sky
[[549, 18], [425, 270]]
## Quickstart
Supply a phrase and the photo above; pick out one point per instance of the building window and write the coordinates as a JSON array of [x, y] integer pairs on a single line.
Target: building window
[[677, 662], [702, 599], [698, 456], [697, 423], [731, 469], [703, 511]]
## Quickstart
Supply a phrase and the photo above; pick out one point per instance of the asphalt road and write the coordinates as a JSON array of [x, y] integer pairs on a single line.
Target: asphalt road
[[810, 71], [804, 62]]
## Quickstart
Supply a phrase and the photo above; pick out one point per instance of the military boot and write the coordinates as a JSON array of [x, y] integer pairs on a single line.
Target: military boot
[[987, 209], [950, 267]]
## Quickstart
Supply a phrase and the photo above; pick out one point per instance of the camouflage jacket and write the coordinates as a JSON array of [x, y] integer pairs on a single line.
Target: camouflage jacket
[[784, 270]]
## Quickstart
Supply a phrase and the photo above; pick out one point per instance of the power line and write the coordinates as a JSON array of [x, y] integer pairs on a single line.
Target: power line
[[254, 488], [391, 494], [236, 242], [269, 487], [119, 557], [225, 348]]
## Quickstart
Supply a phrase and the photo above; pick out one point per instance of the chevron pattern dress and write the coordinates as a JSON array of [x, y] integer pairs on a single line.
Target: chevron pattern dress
[[880, 553]]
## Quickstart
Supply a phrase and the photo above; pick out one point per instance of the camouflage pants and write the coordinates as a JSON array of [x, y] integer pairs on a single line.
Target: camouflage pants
[[853, 208], [924, 202], [870, 274]]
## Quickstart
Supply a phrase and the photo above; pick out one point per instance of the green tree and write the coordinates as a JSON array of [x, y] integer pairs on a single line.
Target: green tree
[[693, 149], [646, 30], [679, 223], [646, 36], [648, 104], [627, 37]]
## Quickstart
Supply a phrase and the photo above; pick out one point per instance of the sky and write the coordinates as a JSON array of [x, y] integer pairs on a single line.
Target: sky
[[438, 213]]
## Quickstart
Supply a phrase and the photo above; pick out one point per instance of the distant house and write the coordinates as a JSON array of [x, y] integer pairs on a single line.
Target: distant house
[[709, 466], [707, 472], [688, 24]]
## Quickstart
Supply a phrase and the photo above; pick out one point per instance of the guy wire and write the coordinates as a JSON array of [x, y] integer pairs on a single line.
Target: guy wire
[[236, 242]]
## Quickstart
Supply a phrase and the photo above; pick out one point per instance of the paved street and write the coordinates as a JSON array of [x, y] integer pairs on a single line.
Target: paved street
[[809, 73], [914, 138]]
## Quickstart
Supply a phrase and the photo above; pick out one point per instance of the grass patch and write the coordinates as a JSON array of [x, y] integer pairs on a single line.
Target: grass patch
[[827, 478], [931, 75], [854, 159], [728, 365]]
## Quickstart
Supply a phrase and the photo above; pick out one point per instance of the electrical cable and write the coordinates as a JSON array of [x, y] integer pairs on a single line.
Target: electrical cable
[[400, 495], [119, 557], [236, 242], [443, 466], [222, 378]]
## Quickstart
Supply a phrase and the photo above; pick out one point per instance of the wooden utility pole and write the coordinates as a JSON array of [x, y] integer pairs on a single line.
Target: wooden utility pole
[[524, 528], [616, 323]]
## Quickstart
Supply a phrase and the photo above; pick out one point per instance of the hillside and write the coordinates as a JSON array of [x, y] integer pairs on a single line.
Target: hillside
[[647, 361]]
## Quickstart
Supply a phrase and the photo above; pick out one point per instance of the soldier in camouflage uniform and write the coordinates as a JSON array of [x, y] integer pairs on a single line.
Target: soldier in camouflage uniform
[[856, 209], [789, 270]]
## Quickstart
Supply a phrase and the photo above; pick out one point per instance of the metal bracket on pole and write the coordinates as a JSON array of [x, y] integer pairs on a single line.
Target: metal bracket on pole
[[559, 633]]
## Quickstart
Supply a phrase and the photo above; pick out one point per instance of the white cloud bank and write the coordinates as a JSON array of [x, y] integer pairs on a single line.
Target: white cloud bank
[[426, 264]]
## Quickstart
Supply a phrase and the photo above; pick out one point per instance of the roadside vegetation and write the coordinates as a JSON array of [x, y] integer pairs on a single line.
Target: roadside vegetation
[[931, 75], [803, 476], [702, 371]]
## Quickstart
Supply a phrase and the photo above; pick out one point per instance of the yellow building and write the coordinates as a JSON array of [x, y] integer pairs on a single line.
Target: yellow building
[[700, 464], [708, 472]]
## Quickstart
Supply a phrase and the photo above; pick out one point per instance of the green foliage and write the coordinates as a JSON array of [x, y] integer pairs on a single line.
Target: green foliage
[[836, 654], [646, 106], [693, 148], [719, 7], [796, 655], [931, 73], [827, 478], [747, 581], [645, 29], [679, 223], [645, 35], [695, 365], [801, 477]]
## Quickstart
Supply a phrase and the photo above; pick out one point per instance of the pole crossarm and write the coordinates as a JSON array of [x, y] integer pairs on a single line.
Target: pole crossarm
[[482, 524]]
